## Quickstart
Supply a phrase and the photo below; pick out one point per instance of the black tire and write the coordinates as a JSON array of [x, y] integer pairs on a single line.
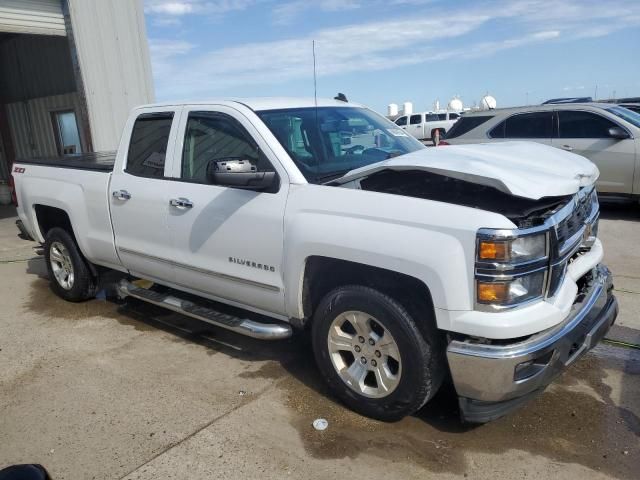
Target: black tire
[[84, 283], [423, 364]]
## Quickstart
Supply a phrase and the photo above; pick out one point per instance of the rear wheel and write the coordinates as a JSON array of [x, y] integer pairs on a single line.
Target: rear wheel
[[373, 355], [69, 273]]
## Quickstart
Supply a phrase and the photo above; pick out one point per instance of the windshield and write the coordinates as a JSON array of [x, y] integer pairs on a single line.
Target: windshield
[[629, 115], [327, 142]]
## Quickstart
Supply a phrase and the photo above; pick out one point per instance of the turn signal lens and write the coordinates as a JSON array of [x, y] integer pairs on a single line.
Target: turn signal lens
[[493, 250], [521, 249], [493, 292]]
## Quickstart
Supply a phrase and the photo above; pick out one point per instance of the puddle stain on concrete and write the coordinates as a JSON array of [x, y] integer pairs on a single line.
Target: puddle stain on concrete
[[561, 425]]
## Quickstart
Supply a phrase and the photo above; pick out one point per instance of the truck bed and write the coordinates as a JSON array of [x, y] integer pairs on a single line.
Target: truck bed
[[98, 161]]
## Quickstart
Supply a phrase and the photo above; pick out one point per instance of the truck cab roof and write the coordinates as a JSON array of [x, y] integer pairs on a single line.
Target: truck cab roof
[[261, 103]]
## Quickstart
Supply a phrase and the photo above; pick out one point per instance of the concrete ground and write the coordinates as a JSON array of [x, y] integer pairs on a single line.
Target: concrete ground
[[106, 391]]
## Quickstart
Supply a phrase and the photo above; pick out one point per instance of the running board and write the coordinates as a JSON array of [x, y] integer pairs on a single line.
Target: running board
[[250, 328]]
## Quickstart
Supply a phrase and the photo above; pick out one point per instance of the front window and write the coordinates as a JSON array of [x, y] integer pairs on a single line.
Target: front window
[[327, 142], [581, 124], [626, 114]]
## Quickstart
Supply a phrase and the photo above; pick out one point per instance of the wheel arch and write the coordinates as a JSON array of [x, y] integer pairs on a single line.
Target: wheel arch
[[48, 217], [323, 274]]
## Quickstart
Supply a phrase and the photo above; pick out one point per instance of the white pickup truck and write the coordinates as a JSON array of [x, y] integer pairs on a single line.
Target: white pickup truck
[[410, 266]]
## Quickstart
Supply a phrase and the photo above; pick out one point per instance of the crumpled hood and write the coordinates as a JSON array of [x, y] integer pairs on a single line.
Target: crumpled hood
[[525, 169]]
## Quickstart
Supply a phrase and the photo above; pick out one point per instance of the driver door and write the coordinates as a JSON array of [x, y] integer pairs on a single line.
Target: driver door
[[228, 240]]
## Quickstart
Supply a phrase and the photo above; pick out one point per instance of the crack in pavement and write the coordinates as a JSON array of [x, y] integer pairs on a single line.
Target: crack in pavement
[[200, 429]]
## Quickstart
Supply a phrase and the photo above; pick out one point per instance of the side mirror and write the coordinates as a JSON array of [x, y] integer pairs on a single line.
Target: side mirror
[[239, 173], [618, 133]]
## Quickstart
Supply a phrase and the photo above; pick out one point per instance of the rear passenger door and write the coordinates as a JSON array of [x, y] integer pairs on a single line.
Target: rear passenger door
[[533, 126], [139, 195], [587, 133], [416, 125]]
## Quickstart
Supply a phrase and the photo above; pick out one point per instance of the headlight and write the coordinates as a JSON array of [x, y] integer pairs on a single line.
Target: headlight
[[520, 249], [511, 292]]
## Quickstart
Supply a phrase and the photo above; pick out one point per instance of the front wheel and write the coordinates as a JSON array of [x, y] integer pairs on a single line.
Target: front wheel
[[372, 354], [69, 273]]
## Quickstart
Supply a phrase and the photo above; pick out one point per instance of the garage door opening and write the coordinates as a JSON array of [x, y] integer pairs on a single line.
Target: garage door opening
[[39, 100]]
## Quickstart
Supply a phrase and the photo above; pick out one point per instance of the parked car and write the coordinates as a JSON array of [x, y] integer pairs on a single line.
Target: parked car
[[631, 106], [424, 125], [407, 264], [607, 134]]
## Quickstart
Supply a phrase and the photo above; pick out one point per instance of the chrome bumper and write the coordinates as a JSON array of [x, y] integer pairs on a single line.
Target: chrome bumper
[[492, 380]]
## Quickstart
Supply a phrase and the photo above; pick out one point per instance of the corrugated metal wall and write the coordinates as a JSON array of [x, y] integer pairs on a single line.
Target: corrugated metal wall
[[35, 66], [31, 126], [113, 52], [43, 17]]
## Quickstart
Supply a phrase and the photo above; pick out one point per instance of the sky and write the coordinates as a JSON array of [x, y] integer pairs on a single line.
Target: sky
[[391, 51]]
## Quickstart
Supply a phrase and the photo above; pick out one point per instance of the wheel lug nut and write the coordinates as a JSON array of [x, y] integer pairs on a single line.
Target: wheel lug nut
[[374, 363], [363, 360], [357, 348], [378, 354], [371, 342], [361, 339]]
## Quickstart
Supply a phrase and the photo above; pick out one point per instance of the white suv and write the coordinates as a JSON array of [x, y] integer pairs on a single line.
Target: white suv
[[607, 134], [424, 125]]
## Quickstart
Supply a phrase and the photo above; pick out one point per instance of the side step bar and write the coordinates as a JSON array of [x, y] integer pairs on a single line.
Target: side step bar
[[250, 328]]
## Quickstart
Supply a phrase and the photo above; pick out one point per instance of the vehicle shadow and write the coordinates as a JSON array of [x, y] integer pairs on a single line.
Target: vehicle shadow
[[7, 211], [619, 211]]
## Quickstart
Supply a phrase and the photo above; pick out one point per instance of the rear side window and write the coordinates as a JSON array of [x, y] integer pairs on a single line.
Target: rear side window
[[453, 116], [525, 125], [466, 124], [148, 145], [577, 124], [432, 117], [401, 121], [442, 116], [415, 119]]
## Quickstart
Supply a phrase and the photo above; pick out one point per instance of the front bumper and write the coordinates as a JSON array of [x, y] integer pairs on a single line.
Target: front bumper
[[493, 379]]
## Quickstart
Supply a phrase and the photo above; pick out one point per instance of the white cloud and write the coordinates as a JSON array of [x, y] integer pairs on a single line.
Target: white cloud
[[286, 13], [387, 44], [171, 8], [163, 9]]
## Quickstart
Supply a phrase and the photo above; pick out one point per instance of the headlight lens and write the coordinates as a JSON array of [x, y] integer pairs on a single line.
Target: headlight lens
[[521, 249], [511, 292]]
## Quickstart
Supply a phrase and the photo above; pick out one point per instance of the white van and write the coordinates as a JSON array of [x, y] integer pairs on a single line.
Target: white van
[[424, 125]]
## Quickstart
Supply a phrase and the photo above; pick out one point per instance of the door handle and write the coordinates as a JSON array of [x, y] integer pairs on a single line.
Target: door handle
[[181, 203], [121, 195], [568, 148]]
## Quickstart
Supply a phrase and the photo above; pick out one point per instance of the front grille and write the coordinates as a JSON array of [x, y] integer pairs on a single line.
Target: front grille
[[571, 225], [564, 243]]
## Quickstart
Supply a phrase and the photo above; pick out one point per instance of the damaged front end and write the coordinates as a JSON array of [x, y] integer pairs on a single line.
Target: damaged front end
[[523, 212]]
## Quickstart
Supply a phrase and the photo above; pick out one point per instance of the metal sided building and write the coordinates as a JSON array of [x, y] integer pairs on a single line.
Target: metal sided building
[[70, 71]]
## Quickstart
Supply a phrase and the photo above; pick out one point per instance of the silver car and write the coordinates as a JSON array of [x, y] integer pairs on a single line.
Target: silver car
[[607, 134]]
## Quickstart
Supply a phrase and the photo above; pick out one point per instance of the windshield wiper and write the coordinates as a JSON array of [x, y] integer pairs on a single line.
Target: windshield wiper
[[331, 176]]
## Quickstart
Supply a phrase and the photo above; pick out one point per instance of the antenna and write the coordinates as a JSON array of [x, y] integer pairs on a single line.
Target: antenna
[[315, 83]]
